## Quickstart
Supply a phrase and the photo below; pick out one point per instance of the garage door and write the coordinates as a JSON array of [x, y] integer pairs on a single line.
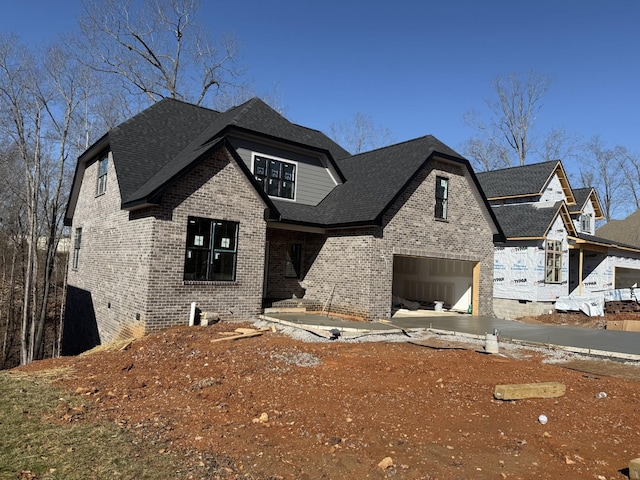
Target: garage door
[[430, 280]]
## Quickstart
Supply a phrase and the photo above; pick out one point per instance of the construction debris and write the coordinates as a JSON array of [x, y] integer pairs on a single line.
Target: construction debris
[[239, 333], [519, 391]]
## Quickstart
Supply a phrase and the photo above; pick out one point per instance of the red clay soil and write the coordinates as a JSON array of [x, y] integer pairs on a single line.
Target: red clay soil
[[271, 407]]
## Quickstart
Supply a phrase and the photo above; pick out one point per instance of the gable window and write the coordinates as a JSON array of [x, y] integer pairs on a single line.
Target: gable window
[[585, 222], [442, 197], [76, 247], [553, 270], [292, 260], [212, 250], [103, 165], [277, 178]]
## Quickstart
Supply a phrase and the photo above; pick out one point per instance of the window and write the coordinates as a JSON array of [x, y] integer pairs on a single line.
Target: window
[[442, 197], [103, 165], [76, 247], [585, 222], [292, 260], [277, 178], [553, 271], [212, 250]]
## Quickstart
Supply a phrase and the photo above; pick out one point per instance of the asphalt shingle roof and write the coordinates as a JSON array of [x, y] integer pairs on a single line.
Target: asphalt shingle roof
[[373, 181], [150, 140], [625, 231], [516, 181], [581, 195], [525, 220], [155, 147]]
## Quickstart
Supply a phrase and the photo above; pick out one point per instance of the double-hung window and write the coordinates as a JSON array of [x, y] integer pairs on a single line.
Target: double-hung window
[[103, 166], [442, 198], [212, 250], [553, 270], [585, 223], [278, 178]]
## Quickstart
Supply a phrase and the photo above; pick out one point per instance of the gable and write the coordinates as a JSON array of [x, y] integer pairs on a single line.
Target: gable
[[526, 221], [526, 183]]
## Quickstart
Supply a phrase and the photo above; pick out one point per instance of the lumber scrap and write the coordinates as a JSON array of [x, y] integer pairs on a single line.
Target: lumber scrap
[[237, 336], [518, 391]]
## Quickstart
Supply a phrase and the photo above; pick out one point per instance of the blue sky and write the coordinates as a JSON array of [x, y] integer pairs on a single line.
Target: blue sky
[[417, 67]]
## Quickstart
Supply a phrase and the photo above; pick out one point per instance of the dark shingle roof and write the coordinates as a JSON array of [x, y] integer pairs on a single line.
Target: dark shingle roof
[[154, 146], [517, 181], [150, 140], [581, 195], [373, 181], [525, 220], [625, 231]]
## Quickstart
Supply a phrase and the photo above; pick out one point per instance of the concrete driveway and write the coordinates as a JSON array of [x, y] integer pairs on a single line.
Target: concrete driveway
[[609, 343]]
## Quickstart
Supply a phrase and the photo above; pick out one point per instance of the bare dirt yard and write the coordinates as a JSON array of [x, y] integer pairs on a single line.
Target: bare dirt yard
[[277, 406]]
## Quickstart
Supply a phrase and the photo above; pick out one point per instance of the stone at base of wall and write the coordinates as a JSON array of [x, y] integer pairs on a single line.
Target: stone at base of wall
[[513, 309]]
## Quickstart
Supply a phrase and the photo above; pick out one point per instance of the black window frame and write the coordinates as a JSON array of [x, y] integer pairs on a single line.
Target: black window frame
[[77, 244], [277, 177], [293, 260], [441, 210], [211, 251], [103, 169]]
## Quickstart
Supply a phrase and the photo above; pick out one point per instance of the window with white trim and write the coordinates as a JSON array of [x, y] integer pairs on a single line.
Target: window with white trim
[[278, 178], [585, 222], [553, 269], [212, 250]]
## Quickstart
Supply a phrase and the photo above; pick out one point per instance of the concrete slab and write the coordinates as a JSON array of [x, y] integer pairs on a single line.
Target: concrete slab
[[608, 343]]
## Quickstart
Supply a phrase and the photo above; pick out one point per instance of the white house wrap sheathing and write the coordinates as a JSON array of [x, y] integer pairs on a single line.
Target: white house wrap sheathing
[[519, 271]]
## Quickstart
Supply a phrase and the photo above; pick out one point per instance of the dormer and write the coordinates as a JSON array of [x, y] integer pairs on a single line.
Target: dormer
[[286, 171], [586, 210]]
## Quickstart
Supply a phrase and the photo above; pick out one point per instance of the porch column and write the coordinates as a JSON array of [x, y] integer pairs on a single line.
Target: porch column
[[580, 257]]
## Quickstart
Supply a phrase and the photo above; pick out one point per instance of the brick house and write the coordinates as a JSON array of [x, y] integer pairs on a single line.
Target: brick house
[[552, 250], [183, 204]]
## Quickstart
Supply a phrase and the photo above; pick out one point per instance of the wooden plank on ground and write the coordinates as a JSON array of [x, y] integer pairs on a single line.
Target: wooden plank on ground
[[517, 391], [236, 337]]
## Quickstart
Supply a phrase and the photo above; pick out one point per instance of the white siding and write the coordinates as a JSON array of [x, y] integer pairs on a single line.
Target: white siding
[[519, 271], [553, 192]]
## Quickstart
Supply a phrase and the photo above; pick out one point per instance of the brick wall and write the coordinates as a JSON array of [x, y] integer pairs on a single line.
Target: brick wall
[[355, 267], [130, 272], [215, 189], [111, 279]]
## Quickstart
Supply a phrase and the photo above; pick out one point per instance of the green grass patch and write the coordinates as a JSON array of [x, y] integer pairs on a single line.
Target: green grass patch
[[42, 434]]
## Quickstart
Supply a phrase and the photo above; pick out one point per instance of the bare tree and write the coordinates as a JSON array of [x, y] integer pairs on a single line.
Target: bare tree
[[360, 134], [630, 167], [601, 169], [559, 144], [156, 48], [39, 96], [512, 116]]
